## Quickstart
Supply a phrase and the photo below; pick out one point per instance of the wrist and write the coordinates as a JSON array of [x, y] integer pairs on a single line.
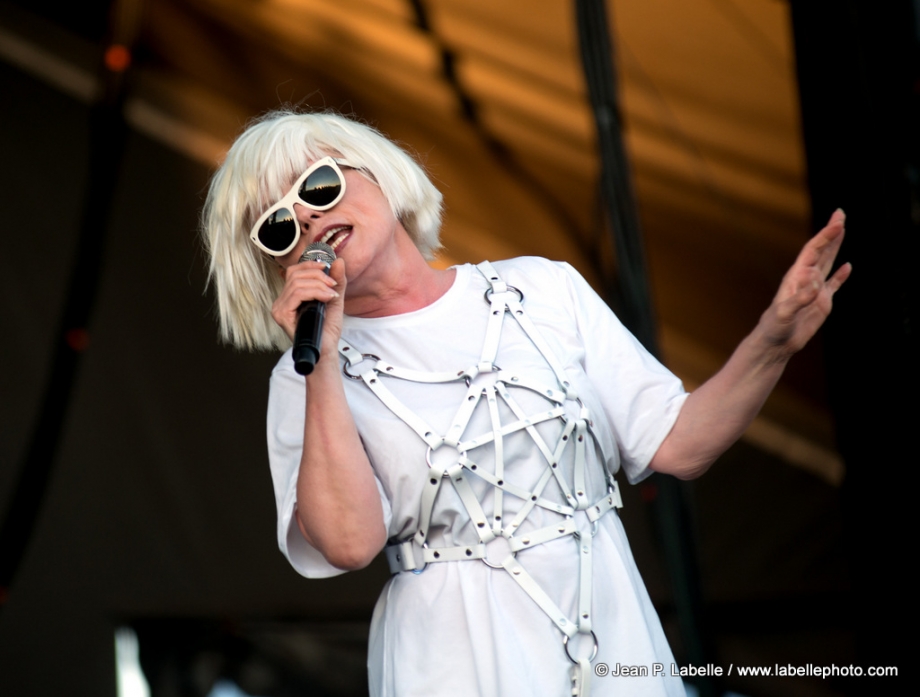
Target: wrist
[[765, 348]]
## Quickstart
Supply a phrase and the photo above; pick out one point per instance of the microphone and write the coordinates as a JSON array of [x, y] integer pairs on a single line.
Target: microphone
[[310, 316]]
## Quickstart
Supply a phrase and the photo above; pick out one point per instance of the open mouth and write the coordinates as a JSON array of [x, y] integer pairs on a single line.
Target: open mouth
[[335, 236]]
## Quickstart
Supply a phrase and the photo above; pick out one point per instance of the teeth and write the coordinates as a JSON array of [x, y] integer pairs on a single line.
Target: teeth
[[328, 236]]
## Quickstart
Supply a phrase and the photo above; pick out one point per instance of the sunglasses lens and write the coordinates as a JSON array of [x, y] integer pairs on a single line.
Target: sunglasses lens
[[278, 232], [321, 188]]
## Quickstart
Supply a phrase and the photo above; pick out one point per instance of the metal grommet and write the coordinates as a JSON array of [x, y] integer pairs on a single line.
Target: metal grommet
[[565, 644], [488, 294], [575, 534], [364, 357]]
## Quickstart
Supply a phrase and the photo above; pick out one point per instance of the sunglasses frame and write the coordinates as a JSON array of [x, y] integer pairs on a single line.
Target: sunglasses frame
[[292, 197]]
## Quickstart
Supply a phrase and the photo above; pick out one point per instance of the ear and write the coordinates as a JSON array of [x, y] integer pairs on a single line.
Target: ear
[[282, 272]]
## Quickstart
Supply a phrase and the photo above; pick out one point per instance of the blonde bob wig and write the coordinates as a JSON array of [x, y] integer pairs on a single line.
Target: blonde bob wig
[[259, 169]]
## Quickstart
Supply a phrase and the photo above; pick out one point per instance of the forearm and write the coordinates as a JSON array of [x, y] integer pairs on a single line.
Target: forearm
[[716, 414], [338, 504]]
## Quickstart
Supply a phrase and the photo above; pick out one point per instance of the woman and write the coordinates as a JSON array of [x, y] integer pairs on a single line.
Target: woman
[[489, 408]]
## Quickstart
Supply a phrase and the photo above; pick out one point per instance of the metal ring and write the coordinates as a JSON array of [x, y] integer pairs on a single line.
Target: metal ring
[[488, 294], [424, 563], [565, 644], [485, 557], [364, 357], [461, 453], [495, 566]]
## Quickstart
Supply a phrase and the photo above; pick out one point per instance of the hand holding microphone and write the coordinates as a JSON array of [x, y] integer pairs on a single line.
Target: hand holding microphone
[[310, 316]]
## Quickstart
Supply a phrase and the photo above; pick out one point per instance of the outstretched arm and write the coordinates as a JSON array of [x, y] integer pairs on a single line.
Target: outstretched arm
[[717, 413]]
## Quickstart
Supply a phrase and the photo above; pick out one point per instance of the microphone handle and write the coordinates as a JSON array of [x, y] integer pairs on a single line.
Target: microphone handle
[[308, 335], [310, 316]]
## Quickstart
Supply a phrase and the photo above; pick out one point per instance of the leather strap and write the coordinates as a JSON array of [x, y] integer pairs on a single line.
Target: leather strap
[[415, 553]]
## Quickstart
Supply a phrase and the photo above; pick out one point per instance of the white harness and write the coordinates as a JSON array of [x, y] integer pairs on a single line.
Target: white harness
[[414, 554]]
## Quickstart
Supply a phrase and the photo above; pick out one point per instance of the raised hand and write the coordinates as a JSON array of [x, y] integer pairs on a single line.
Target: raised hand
[[716, 414], [805, 296]]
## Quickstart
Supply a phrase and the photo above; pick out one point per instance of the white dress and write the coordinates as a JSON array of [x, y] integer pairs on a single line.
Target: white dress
[[464, 627]]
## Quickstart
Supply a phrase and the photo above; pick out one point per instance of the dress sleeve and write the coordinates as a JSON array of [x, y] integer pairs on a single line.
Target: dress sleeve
[[285, 422], [639, 396]]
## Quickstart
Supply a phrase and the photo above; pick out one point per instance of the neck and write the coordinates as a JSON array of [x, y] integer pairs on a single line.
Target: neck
[[402, 283]]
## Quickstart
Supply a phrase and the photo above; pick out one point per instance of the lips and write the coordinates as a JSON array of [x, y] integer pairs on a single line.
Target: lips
[[334, 235]]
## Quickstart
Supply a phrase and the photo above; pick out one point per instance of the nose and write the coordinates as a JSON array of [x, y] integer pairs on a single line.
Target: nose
[[304, 212], [305, 217]]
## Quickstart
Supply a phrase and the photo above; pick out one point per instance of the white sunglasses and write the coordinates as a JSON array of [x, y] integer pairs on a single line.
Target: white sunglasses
[[322, 186]]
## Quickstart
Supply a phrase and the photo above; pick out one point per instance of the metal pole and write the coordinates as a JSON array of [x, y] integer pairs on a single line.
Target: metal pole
[[669, 506]]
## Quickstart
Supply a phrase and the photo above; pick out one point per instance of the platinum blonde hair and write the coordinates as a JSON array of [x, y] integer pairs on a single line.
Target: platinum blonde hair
[[258, 170]]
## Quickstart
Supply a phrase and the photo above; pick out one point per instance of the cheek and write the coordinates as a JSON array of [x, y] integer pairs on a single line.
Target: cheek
[[292, 257]]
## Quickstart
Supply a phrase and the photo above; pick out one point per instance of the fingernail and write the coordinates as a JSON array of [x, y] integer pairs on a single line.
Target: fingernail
[[841, 211]]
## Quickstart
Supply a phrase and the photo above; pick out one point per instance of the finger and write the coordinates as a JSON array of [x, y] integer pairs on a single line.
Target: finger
[[338, 276], [821, 250], [832, 233], [840, 275], [302, 289], [337, 270], [835, 224], [838, 216], [828, 255], [309, 269], [831, 258]]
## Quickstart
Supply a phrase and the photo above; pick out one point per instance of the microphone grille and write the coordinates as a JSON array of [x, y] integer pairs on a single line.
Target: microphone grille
[[318, 251]]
